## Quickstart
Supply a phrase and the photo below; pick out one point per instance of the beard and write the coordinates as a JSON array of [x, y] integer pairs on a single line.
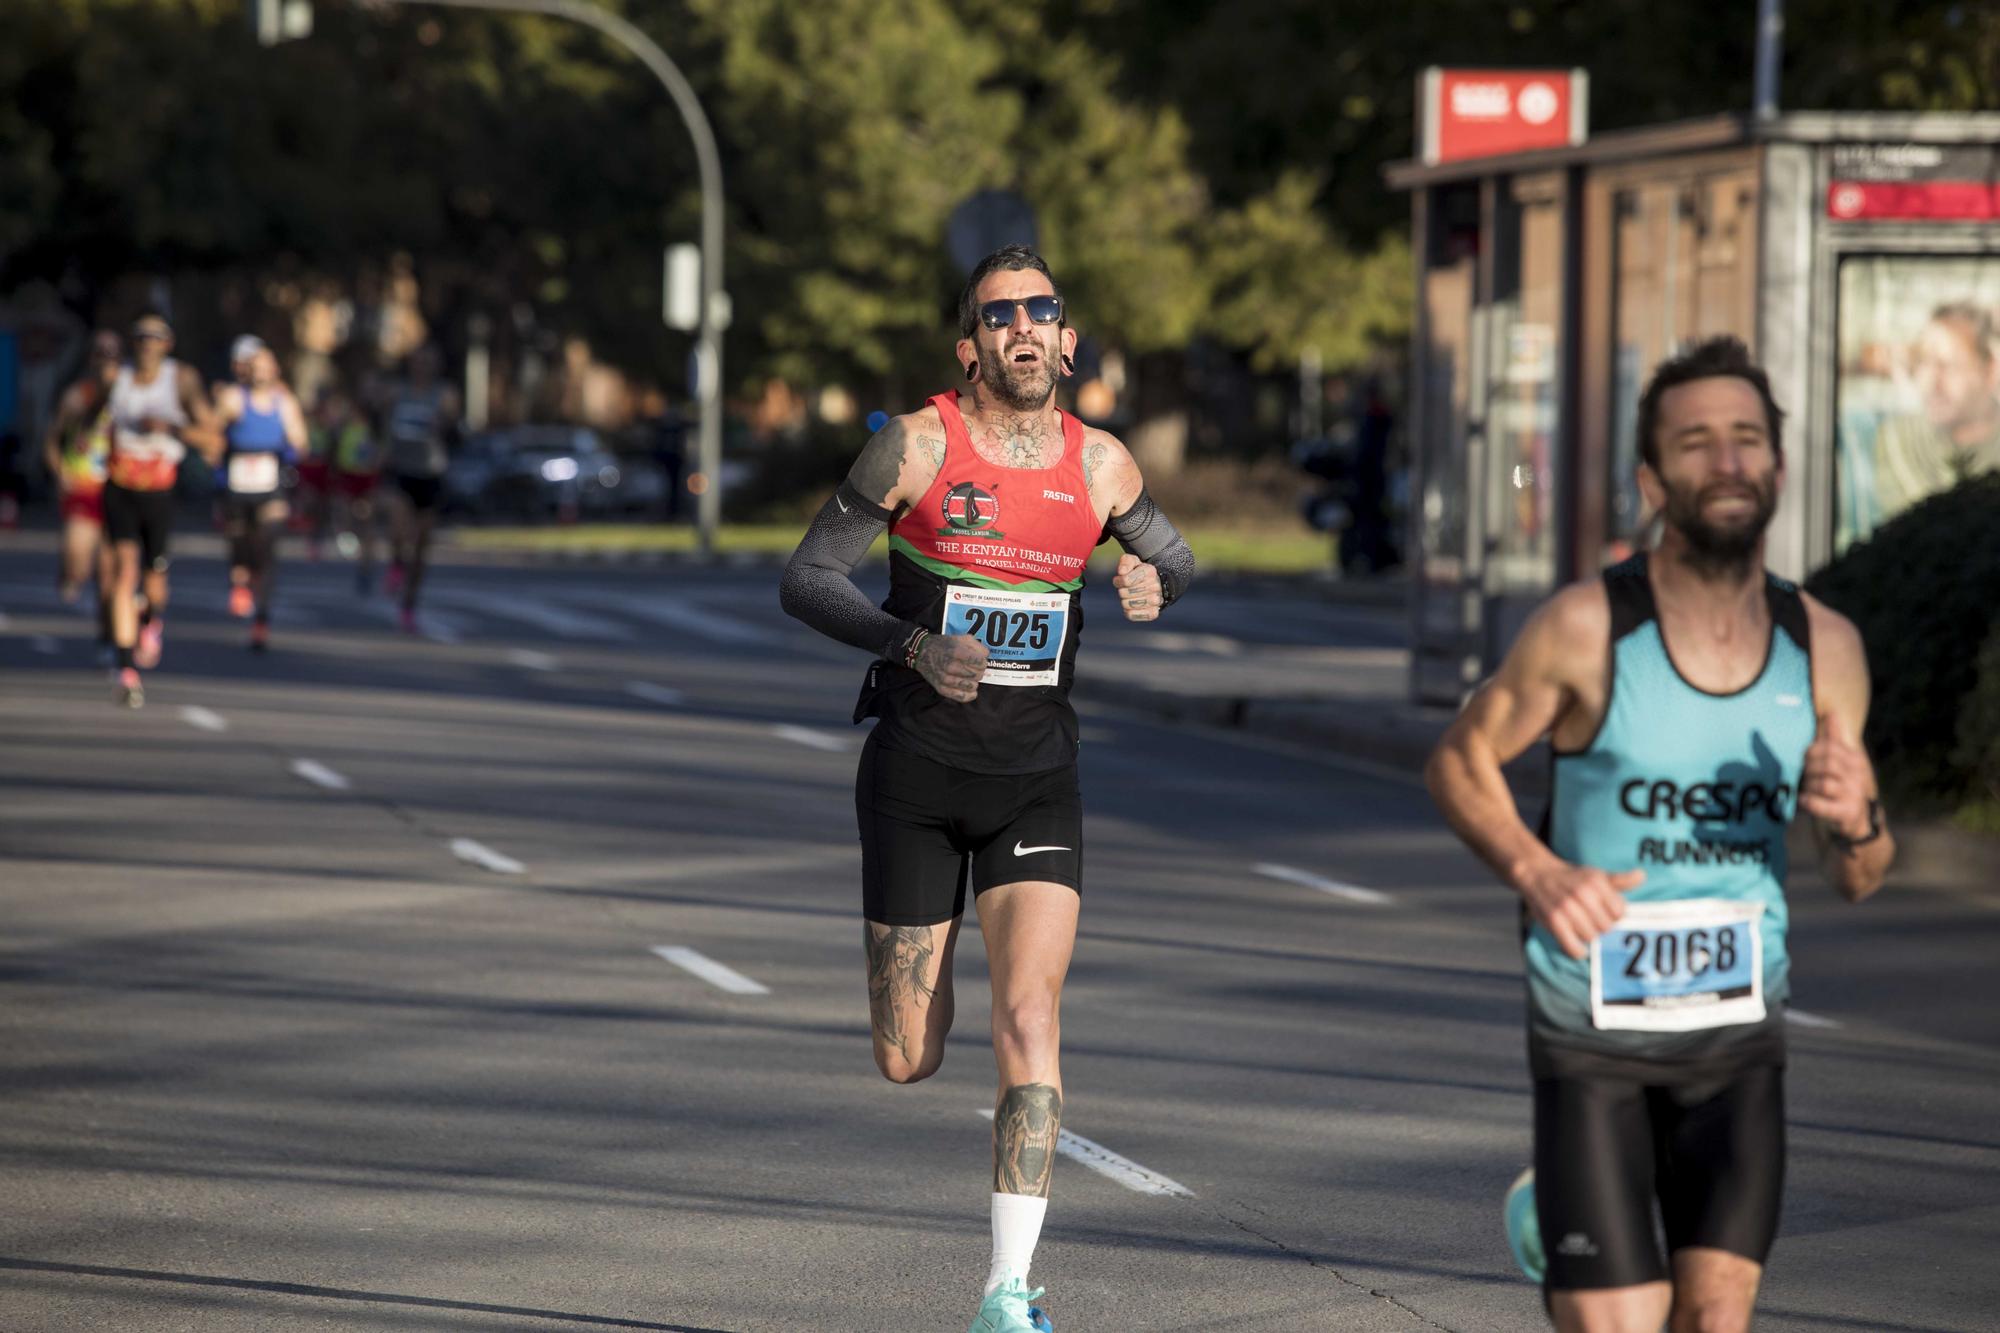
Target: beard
[[1026, 388], [1721, 550]]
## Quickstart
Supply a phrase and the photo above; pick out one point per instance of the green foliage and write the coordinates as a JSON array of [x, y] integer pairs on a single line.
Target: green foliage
[[1925, 592], [1198, 167], [1266, 257]]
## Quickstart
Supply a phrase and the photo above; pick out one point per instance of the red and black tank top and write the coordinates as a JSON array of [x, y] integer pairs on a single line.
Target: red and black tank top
[[996, 552]]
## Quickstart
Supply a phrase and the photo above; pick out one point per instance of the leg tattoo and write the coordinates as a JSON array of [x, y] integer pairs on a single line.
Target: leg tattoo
[[1024, 1139], [898, 959]]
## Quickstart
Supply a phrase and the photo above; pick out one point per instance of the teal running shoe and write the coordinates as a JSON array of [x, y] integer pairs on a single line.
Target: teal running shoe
[[1524, 1228], [1008, 1310]]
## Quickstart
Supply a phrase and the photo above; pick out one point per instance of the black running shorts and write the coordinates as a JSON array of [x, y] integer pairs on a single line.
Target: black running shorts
[[423, 493], [923, 824], [242, 513], [145, 517], [1710, 1153]]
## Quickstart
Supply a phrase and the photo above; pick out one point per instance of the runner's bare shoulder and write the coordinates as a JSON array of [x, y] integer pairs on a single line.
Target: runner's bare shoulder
[[1567, 640], [901, 460]]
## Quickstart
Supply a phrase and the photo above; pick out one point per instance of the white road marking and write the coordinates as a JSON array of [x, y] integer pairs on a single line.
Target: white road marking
[[1175, 641], [714, 973], [1353, 893], [319, 774], [197, 716], [531, 660], [682, 614], [1108, 1163], [465, 849], [1806, 1020], [654, 694], [818, 740], [45, 645], [534, 611]]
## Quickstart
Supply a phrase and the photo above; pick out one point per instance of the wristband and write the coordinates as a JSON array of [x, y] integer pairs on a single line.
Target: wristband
[[1847, 844]]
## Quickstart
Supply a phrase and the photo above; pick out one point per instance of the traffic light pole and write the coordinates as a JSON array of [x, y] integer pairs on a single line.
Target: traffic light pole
[[714, 306]]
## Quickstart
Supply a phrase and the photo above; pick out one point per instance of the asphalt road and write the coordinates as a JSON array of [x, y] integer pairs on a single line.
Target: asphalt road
[[350, 987]]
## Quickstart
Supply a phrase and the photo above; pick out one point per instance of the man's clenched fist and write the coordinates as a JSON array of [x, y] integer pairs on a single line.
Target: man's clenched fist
[[953, 664], [1138, 585]]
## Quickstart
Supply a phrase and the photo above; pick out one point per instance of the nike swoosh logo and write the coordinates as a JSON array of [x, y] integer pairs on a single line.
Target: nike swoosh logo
[[1019, 850], [842, 503]]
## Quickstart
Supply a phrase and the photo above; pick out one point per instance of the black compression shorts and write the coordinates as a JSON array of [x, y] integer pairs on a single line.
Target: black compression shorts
[[923, 824], [145, 517], [1711, 1153], [423, 493]]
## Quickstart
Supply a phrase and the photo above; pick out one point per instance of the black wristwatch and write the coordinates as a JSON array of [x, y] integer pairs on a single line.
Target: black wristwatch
[[1847, 844]]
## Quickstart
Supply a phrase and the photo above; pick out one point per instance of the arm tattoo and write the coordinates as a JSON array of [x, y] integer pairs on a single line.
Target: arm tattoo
[[1024, 1139], [1093, 458], [898, 964], [874, 474], [932, 447]]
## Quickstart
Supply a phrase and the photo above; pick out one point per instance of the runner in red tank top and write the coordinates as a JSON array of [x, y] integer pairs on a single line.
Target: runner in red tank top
[[997, 499]]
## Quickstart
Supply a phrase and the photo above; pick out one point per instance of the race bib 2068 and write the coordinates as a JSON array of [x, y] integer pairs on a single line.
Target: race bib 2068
[[1679, 967]]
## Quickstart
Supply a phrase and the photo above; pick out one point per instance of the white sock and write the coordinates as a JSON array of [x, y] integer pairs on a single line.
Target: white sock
[[1017, 1225]]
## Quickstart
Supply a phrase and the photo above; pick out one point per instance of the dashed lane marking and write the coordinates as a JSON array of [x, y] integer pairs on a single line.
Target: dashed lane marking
[[479, 854], [319, 775], [205, 719], [714, 973], [818, 740], [655, 694], [1353, 893], [530, 660]]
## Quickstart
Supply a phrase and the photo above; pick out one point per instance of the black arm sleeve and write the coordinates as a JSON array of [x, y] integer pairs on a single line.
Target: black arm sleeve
[[818, 586], [1149, 534]]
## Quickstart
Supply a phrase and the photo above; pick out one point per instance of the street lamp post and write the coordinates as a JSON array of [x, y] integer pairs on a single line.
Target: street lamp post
[[714, 304]]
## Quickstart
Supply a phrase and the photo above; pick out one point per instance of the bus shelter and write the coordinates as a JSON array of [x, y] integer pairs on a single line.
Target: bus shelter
[[1857, 254]]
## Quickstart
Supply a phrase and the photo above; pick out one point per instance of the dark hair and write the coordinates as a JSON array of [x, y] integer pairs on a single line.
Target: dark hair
[[1013, 258], [1707, 359], [1977, 325]]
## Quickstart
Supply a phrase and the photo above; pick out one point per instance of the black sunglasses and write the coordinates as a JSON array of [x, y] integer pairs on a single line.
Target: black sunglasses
[[998, 315]]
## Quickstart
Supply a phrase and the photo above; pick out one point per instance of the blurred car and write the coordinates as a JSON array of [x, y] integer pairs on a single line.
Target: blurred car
[[474, 465], [525, 473]]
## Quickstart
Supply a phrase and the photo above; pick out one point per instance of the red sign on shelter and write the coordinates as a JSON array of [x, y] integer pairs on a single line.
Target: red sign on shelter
[[1468, 113]]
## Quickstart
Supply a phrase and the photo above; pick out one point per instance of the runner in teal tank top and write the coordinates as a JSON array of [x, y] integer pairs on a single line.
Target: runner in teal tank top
[[1694, 789], [1694, 703]]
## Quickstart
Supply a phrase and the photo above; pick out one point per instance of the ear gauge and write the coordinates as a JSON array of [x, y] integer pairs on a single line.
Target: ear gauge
[[1068, 366], [971, 371]]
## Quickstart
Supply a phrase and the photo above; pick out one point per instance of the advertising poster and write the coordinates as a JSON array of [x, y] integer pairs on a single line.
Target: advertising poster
[[1918, 392]]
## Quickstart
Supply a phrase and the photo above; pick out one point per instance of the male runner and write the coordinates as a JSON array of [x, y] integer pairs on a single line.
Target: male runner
[[420, 413], [158, 409], [264, 429], [75, 449], [996, 499], [1694, 702]]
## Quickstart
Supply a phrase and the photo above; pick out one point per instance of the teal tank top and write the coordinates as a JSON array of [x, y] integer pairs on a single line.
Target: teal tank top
[[1695, 789]]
